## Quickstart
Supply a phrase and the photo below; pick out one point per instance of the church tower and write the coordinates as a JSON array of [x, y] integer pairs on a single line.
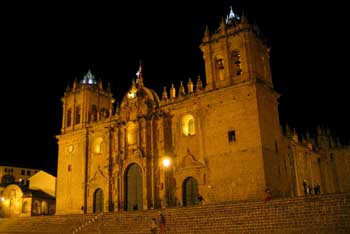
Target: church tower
[[237, 67], [235, 53], [85, 103]]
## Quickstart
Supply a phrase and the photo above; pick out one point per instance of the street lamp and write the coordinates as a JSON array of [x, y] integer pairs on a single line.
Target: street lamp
[[166, 163]]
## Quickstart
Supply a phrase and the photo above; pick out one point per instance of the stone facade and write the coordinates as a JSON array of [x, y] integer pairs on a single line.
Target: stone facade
[[222, 141]]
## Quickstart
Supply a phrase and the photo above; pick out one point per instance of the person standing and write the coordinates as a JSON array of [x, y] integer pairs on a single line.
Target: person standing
[[162, 223], [317, 189], [268, 195], [200, 199], [305, 187]]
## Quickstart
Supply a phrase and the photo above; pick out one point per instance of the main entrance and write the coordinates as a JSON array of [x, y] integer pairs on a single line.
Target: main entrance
[[133, 188], [190, 192]]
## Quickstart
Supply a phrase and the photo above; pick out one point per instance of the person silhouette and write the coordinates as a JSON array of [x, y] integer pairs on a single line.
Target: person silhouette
[[200, 199], [268, 195], [162, 223]]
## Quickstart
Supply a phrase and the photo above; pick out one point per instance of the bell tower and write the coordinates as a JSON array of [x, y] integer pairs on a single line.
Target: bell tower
[[85, 102], [235, 53], [237, 64]]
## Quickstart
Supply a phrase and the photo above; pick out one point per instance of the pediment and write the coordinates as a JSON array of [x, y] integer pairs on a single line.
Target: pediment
[[98, 174], [190, 161]]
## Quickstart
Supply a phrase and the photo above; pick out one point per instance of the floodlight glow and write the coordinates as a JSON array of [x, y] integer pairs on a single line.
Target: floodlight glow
[[166, 162]]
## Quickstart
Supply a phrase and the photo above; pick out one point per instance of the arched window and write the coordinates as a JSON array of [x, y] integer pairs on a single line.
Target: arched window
[[36, 208], [104, 113], [25, 207], [69, 117], [98, 145], [188, 125], [236, 61], [94, 112], [219, 62], [44, 208], [77, 114]]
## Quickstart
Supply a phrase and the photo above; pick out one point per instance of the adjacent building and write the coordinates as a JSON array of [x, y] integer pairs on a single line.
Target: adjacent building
[[37, 197]]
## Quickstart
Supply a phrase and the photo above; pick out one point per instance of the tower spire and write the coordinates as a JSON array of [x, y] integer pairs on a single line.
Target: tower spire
[[140, 75]]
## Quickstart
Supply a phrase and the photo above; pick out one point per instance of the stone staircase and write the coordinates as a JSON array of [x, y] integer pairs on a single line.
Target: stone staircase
[[311, 214]]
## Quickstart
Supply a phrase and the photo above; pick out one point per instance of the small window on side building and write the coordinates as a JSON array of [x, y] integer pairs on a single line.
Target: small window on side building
[[231, 136]]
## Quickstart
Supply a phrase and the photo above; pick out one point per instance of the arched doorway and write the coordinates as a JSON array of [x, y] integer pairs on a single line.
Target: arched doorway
[[98, 201], [44, 208], [133, 188], [190, 192], [36, 208], [25, 207]]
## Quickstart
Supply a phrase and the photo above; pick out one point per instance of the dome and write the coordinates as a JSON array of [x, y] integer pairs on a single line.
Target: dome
[[140, 94]]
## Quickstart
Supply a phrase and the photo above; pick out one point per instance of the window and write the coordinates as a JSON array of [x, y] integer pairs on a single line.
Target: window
[[28, 173], [231, 136], [69, 117], [188, 125], [22, 172], [219, 68], [103, 113], [220, 63], [77, 115], [236, 59], [97, 147], [69, 167], [94, 112]]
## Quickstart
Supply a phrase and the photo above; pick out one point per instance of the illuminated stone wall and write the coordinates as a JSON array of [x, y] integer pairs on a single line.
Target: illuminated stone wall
[[225, 138], [224, 169]]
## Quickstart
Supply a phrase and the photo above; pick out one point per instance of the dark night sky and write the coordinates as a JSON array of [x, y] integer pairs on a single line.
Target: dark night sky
[[45, 47]]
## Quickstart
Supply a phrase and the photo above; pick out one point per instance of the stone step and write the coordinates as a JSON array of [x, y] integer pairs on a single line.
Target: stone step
[[314, 214]]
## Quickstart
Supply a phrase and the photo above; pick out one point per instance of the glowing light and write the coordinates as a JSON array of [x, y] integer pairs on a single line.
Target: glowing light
[[89, 78], [231, 16], [131, 95], [2, 199], [166, 162]]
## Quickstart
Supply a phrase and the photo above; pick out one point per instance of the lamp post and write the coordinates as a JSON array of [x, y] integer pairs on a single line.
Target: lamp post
[[166, 163]]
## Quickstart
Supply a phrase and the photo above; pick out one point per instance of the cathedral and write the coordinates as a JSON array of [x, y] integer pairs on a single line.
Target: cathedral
[[217, 142]]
